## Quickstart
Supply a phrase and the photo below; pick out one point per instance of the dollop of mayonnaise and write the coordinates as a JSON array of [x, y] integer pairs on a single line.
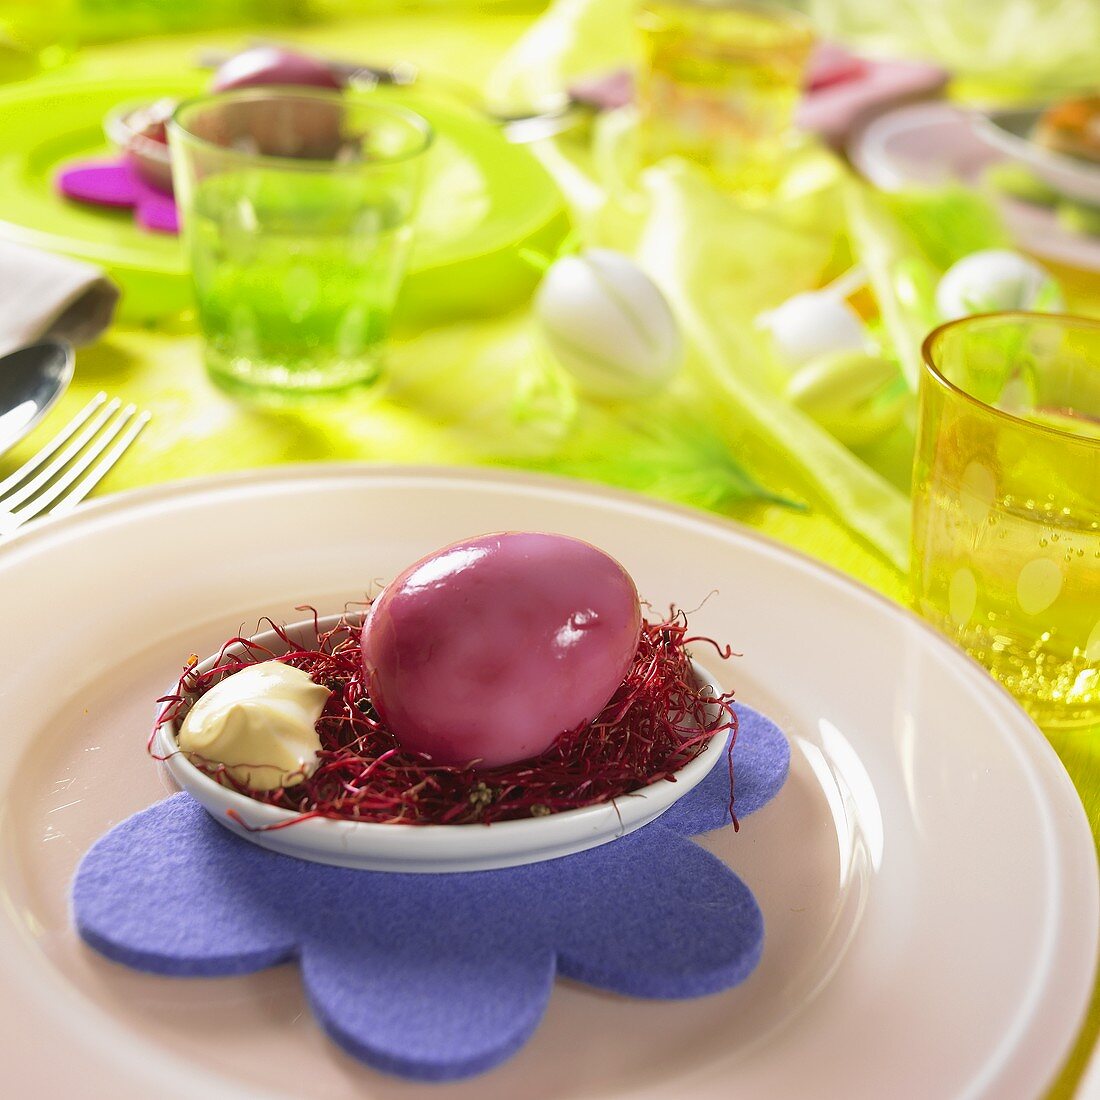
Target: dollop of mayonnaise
[[260, 723]]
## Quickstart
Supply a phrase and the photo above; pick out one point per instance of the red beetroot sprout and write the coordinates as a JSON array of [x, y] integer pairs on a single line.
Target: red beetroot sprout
[[656, 722]]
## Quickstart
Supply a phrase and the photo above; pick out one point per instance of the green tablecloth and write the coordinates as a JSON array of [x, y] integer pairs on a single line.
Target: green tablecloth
[[198, 430]]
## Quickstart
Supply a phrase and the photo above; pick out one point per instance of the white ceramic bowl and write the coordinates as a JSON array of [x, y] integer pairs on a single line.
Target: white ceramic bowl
[[431, 849], [1009, 132], [150, 158]]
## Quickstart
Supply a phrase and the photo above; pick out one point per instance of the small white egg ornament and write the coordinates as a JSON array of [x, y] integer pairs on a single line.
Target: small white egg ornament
[[813, 324], [609, 325], [260, 723], [993, 280], [854, 396]]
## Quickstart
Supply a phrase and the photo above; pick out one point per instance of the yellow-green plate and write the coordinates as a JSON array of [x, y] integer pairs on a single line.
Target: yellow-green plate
[[484, 198]]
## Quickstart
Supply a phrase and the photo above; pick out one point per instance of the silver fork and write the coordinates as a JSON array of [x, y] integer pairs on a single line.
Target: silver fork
[[66, 469]]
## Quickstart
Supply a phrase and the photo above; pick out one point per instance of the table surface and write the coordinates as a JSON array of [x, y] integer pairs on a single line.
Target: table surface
[[198, 430]]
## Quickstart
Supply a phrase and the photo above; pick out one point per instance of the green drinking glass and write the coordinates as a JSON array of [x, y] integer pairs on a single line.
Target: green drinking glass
[[297, 207]]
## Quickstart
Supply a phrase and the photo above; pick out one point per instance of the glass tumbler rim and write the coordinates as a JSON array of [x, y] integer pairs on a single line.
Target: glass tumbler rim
[[932, 371], [793, 21], [417, 122]]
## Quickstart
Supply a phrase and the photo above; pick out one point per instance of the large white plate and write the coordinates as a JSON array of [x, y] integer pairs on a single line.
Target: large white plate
[[934, 143], [1010, 132], [927, 875]]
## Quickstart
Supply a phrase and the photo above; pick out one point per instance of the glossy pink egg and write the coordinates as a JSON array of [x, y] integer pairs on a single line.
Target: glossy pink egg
[[489, 649], [263, 65]]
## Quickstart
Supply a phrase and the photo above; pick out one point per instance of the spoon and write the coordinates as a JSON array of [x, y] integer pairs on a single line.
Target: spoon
[[32, 378]]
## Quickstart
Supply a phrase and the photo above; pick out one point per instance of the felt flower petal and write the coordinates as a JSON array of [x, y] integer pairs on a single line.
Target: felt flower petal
[[761, 759], [163, 892], [668, 920], [157, 212], [105, 183], [115, 183], [423, 1003]]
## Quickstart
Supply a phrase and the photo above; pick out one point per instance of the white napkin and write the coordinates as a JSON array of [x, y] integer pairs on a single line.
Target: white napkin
[[46, 295]]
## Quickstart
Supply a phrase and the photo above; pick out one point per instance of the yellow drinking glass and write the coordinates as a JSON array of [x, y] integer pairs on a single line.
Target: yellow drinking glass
[[719, 85], [1006, 516]]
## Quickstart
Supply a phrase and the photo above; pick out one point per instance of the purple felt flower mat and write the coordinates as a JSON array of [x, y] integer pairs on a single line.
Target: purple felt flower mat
[[115, 183], [438, 977]]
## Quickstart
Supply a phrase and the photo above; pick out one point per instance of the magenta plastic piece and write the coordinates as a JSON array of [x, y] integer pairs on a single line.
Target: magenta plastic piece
[[116, 184]]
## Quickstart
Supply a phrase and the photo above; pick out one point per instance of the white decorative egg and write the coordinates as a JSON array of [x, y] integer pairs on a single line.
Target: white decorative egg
[[608, 324], [813, 324], [855, 396], [993, 280]]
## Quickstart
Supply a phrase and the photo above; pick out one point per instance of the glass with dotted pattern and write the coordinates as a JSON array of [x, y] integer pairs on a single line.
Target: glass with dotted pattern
[[1006, 518], [297, 210]]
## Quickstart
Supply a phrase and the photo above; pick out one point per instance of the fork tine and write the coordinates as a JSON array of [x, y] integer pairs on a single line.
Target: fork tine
[[54, 444], [62, 460], [60, 486], [83, 488]]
